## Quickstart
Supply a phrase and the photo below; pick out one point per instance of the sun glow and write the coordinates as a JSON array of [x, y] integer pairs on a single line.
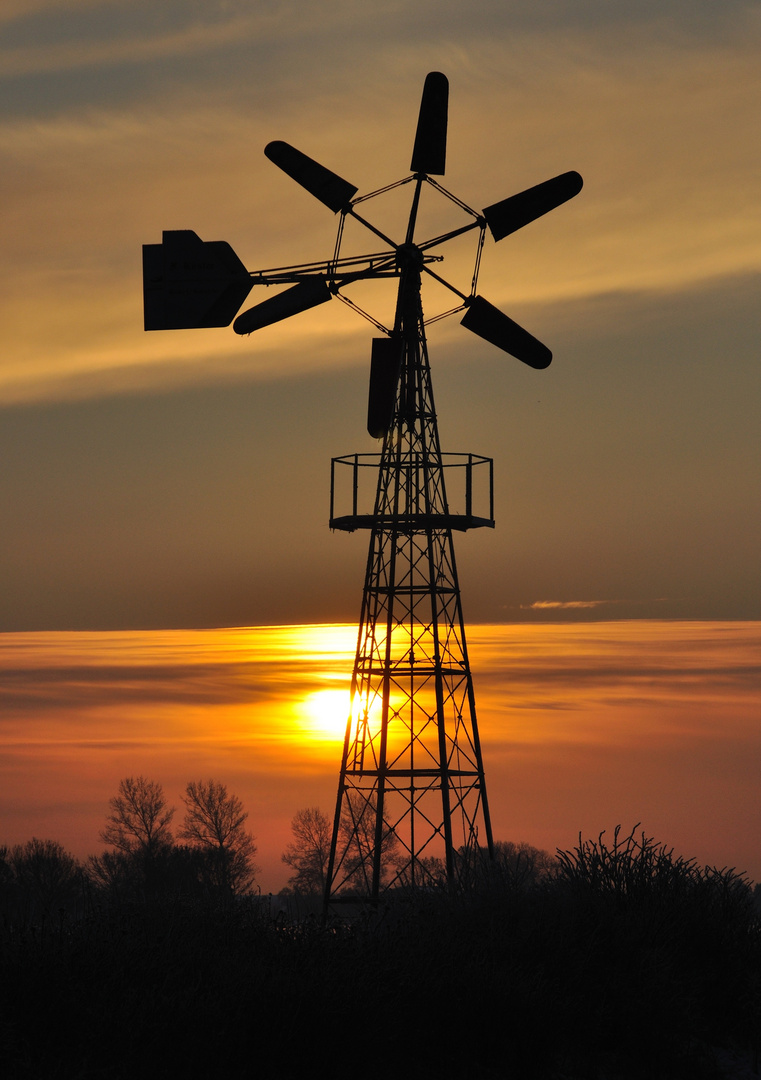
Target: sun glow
[[324, 713]]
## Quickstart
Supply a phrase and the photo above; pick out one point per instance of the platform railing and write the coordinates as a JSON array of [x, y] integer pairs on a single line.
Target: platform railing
[[469, 480]]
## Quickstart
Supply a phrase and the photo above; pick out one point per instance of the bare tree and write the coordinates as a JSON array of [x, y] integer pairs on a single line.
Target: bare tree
[[522, 861], [214, 821], [356, 844], [46, 875], [513, 864], [139, 820], [307, 855]]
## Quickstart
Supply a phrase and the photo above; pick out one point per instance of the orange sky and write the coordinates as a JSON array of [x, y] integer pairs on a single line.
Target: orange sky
[[584, 726]]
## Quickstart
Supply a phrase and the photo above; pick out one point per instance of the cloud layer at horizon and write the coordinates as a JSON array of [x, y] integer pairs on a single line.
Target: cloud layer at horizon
[[584, 727]]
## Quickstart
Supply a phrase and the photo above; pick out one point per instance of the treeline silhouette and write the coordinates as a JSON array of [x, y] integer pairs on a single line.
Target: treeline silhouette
[[617, 958], [143, 863]]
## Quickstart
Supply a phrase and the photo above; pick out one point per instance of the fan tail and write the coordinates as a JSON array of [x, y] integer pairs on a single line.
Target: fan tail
[[190, 283]]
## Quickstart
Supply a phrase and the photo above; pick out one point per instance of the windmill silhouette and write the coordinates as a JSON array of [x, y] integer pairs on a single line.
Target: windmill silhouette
[[411, 808]]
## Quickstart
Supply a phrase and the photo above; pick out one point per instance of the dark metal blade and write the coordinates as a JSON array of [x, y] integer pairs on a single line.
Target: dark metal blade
[[307, 294], [385, 362], [497, 328], [190, 283], [430, 151], [511, 214], [319, 181]]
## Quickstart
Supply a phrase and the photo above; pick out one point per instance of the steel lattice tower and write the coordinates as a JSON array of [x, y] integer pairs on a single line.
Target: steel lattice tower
[[411, 806], [412, 803]]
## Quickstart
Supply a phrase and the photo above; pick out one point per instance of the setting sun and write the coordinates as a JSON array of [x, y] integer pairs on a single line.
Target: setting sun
[[325, 713]]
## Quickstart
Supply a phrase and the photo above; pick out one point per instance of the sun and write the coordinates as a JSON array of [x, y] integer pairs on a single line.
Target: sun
[[325, 713]]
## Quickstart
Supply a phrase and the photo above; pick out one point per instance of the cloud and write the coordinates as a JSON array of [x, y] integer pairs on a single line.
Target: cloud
[[541, 605], [592, 605], [82, 54], [21, 10], [80, 672], [86, 182]]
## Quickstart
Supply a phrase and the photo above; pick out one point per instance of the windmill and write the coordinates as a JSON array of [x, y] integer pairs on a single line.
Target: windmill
[[411, 808]]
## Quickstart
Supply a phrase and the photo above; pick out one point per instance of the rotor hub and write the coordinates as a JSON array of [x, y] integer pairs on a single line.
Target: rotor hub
[[409, 257]]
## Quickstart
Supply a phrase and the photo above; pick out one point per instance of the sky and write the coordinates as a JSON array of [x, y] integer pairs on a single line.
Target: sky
[[584, 726], [179, 480]]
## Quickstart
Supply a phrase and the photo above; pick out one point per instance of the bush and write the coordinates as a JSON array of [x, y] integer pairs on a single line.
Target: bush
[[670, 949]]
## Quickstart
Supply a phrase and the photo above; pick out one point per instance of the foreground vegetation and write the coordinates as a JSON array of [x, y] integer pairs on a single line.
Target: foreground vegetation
[[618, 959]]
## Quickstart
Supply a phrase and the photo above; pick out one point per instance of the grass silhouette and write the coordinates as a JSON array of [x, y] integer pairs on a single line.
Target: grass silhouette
[[620, 960]]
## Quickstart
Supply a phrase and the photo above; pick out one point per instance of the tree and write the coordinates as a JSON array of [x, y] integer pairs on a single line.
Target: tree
[[139, 820], [523, 862], [178, 872], [6, 873], [214, 821], [355, 854], [308, 853], [138, 828], [46, 876], [513, 865]]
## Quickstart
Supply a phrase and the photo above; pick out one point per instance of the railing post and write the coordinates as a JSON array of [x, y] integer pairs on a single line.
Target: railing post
[[469, 487], [491, 489]]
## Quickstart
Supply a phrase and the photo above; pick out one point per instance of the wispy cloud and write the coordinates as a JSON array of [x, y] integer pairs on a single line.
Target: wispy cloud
[[78, 55], [542, 605], [18, 10], [85, 183], [647, 608]]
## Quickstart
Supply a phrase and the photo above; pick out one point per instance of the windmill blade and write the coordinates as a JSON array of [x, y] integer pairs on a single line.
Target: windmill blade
[[325, 185], [307, 294], [494, 326], [511, 214], [385, 362], [429, 154]]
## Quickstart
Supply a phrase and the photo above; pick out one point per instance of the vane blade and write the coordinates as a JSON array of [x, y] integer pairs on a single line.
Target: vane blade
[[429, 154], [511, 214], [307, 294], [190, 283], [494, 326], [325, 185], [385, 362]]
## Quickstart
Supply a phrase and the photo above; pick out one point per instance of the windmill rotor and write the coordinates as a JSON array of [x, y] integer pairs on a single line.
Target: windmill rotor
[[207, 283]]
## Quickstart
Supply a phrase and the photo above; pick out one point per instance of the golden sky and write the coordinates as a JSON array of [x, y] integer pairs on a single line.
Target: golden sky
[[584, 726], [180, 478]]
